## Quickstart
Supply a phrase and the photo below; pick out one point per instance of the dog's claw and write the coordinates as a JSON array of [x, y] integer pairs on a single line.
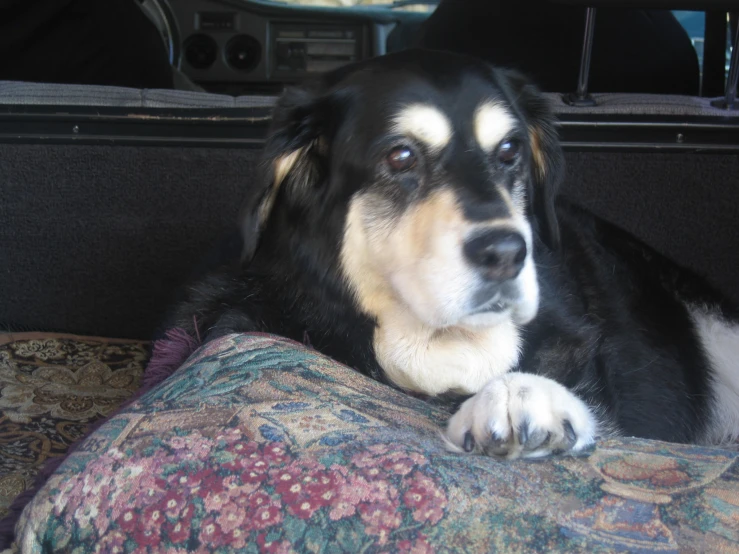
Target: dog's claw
[[497, 442], [538, 439], [570, 434], [469, 442], [496, 445], [523, 432]]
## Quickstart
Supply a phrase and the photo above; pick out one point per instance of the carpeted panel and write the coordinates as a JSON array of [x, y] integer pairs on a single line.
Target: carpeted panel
[[684, 205], [94, 238], [52, 388]]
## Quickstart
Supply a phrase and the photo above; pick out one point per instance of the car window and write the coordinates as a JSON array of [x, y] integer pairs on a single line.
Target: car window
[[424, 6], [694, 24]]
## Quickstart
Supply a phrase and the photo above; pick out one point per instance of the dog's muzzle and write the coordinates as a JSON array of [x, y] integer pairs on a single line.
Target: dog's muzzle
[[499, 257]]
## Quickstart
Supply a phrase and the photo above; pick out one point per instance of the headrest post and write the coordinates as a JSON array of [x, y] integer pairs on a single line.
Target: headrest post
[[581, 97], [729, 101]]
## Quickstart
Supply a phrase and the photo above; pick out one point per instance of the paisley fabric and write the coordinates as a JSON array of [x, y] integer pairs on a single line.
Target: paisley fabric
[[259, 444], [52, 387]]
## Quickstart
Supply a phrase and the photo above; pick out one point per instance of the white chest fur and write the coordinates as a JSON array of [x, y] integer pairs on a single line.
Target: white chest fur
[[720, 340], [433, 361]]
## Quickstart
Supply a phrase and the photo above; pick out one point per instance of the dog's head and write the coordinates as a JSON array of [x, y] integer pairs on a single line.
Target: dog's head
[[440, 169]]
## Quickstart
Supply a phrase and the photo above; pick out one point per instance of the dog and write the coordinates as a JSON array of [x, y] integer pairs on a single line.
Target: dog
[[409, 223]]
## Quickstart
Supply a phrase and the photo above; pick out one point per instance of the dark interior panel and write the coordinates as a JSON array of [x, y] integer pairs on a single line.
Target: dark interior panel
[[686, 206], [94, 238]]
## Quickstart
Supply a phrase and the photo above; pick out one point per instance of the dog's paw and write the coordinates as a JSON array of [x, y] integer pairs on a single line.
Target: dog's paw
[[522, 415]]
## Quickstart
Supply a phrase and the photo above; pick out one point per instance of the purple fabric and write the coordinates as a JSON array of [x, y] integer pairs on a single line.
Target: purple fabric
[[168, 354]]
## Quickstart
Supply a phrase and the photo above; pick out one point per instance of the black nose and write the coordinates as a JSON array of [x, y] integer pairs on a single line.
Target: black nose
[[500, 253]]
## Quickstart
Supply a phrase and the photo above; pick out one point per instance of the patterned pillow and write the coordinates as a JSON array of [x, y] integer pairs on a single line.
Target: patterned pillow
[[260, 444]]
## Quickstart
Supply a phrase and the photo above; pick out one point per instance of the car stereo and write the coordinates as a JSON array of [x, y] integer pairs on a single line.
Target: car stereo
[[299, 49]]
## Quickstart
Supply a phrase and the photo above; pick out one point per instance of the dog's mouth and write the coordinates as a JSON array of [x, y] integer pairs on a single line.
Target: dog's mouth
[[497, 304]]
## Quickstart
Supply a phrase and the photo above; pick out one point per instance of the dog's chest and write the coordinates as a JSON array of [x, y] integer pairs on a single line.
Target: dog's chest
[[433, 362]]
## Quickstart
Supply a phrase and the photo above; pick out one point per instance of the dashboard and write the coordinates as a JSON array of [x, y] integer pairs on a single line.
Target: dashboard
[[253, 46]]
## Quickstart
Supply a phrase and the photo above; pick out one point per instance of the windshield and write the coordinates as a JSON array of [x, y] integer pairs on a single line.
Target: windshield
[[424, 6]]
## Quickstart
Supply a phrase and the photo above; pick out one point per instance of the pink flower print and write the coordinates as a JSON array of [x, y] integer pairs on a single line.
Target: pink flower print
[[400, 465], [195, 446], [150, 489], [255, 469], [147, 535], [276, 454], [230, 436], [231, 484], [210, 532], [273, 547], [287, 483], [241, 493], [172, 504], [210, 483], [216, 502], [178, 531], [235, 538], [426, 499], [323, 487], [266, 516], [230, 517], [377, 490], [152, 517], [380, 518], [379, 457], [241, 451], [342, 507], [128, 520], [350, 493], [112, 542], [256, 501]]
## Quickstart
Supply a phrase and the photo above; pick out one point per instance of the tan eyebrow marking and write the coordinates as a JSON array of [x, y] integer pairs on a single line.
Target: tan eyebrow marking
[[491, 124], [425, 123]]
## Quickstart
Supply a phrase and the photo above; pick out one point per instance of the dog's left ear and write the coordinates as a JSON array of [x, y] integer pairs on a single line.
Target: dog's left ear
[[546, 152], [295, 154]]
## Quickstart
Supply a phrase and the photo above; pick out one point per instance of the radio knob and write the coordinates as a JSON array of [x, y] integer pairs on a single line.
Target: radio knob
[[243, 52], [200, 51]]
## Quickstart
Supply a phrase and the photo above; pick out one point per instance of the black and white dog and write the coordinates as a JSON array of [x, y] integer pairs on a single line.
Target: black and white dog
[[408, 224]]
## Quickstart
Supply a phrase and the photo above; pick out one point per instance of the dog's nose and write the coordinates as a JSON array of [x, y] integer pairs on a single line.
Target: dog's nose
[[500, 253]]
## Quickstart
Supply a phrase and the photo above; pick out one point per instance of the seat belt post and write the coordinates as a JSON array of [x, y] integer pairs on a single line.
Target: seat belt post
[[729, 101]]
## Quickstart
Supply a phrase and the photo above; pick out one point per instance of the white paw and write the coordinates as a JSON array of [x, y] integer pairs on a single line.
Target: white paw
[[522, 415]]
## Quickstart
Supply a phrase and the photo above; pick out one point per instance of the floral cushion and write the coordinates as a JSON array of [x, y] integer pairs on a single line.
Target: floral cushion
[[260, 444]]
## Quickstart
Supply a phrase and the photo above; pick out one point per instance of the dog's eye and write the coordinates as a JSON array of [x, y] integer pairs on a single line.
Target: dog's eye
[[401, 158], [508, 151]]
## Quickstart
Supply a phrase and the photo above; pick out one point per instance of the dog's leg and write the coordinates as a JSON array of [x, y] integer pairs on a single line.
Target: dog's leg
[[522, 415]]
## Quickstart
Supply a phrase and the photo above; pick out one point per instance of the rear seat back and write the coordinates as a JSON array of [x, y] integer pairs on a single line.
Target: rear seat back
[[108, 196]]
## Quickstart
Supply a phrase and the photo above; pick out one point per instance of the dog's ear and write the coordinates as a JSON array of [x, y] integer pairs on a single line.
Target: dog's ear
[[295, 155], [546, 153]]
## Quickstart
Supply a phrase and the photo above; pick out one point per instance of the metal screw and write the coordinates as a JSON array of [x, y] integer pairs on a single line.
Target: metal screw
[[76, 129], [680, 138]]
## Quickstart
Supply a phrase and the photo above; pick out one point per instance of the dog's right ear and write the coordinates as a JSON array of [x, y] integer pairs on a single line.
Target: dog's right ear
[[295, 154]]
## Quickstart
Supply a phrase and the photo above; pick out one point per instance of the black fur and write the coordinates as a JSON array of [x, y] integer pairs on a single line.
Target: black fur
[[612, 325]]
